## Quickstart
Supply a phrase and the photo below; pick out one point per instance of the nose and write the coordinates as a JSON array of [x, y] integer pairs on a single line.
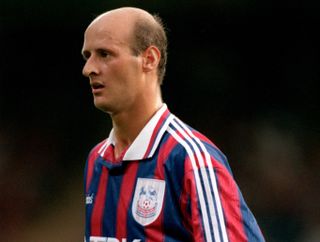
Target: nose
[[89, 68]]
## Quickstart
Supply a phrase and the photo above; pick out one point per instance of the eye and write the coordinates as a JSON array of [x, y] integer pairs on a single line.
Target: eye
[[86, 55], [103, 53]]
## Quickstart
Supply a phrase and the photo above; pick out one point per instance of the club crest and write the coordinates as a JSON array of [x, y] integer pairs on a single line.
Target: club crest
[[148, 200]]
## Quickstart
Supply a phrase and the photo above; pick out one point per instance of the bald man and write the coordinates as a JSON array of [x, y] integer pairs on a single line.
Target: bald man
[[154, 178]]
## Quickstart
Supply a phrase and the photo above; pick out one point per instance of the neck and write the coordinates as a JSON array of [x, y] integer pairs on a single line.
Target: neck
[[128, 124]]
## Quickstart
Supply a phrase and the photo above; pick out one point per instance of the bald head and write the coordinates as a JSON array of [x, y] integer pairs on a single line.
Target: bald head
[[138, 28], [126, 13]]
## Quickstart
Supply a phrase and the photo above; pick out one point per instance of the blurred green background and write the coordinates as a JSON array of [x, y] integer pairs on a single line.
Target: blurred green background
[[245, 73]]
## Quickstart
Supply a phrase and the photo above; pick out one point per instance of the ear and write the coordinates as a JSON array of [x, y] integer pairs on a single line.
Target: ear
[[151, 58]]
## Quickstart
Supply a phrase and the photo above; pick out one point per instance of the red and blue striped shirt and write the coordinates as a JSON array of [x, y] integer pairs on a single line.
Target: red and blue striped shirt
[[171, 184]]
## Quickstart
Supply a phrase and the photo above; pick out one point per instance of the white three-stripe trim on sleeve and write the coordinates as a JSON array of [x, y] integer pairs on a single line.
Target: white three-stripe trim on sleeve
[[209, 186]]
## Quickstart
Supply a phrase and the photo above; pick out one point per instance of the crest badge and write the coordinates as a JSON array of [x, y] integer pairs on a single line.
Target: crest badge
[[148, 200]]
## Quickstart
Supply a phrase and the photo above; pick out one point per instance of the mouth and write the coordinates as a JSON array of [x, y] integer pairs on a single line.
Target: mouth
[[96, 87]]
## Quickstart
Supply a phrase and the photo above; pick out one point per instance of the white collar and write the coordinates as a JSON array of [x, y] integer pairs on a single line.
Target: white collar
[[148, 139]]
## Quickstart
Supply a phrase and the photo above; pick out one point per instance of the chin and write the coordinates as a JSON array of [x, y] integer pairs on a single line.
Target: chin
[[100, 105], [104, 107]]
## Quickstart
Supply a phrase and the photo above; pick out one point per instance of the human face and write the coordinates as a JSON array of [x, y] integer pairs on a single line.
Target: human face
[[115, 74]]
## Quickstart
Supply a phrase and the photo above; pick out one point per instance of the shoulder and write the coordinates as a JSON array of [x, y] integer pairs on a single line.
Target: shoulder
[[94, 152], [195, 145], [187, 137]]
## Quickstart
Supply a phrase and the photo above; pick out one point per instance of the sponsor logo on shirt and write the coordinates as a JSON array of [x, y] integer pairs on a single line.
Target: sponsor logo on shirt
[[148, 200]]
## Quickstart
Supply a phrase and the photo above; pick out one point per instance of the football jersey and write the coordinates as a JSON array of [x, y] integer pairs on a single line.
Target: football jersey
[[170, 184]]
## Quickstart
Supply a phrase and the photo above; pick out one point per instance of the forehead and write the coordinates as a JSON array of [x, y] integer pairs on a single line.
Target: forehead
[[94, 38], [110, 29]]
